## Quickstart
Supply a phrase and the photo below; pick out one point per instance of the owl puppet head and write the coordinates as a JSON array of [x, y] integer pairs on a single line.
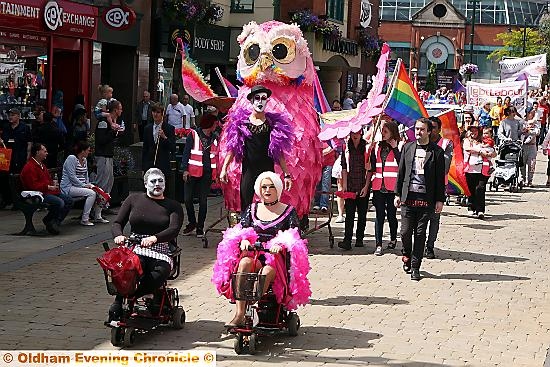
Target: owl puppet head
[[274, 52]]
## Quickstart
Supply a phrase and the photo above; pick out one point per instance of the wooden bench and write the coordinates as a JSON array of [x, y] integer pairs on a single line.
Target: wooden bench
[[27, 205]]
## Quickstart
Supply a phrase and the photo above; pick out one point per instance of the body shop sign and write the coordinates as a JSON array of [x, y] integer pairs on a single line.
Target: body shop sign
[[61, 17]]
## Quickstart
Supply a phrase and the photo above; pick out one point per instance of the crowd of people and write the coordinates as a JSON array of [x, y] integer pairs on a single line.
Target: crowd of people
[[387, 168]]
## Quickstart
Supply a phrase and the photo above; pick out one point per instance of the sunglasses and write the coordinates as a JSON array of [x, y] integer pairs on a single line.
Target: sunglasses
[[268, 187], [260, 98]]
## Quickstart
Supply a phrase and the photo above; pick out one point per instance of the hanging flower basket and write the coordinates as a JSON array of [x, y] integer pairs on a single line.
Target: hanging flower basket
[[309, 22], [193, 11], [468, 69], [370, 44]]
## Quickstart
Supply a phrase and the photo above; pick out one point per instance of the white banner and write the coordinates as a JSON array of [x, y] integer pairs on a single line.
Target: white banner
[[530, 67], [477, 93]]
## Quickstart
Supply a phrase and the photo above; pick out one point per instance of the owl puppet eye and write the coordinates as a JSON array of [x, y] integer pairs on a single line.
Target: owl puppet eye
[[251, 54], [284, 50]]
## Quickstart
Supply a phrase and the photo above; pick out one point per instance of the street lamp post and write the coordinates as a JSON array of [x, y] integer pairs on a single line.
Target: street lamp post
[[524, 38], [474, 5]]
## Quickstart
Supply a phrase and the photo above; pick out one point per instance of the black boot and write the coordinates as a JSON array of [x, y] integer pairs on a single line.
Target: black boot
[[115, 311], [406, 264], [415, 274], [429, 253], [344, 245]]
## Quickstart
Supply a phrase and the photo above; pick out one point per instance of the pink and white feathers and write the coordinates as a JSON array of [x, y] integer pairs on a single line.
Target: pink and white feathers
[[298, 290]]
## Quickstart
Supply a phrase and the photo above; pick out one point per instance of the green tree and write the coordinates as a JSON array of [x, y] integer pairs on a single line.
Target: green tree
[[512, 43], [431, 83]]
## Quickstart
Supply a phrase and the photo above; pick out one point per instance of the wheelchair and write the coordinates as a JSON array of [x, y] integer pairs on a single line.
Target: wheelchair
[[143, 314], [264, 316]]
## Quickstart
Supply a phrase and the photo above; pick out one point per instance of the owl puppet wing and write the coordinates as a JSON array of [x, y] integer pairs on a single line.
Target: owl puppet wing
[[276, 55]]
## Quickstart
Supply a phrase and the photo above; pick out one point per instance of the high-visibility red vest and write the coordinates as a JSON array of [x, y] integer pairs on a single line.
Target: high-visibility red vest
[[388, 172], [195, 160], [443, 144]]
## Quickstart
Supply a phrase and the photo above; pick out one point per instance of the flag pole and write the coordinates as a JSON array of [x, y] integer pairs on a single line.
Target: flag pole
[[386, 99], [219, 74]]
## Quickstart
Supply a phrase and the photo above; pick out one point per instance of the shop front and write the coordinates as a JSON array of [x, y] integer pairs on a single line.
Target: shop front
[[45, 54], [208, 45], [338, 62]]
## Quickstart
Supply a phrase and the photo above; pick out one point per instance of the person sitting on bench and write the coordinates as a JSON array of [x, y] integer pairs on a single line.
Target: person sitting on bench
[[36, 177]]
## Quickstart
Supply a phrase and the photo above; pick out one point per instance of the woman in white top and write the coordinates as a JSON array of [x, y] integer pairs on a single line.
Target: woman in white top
[[474, 156], [75, 181]]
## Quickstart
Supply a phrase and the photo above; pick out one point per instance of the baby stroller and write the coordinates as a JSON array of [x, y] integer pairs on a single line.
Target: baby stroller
[[264, 315], [507, 166], [146, 313]]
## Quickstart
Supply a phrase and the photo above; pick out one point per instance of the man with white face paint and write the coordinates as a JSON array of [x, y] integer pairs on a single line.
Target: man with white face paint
[[157, 221], [261, 148]]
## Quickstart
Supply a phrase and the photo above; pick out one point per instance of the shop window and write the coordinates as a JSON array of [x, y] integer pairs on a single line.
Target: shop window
[[242, 6], [335, 10], [23, 83]]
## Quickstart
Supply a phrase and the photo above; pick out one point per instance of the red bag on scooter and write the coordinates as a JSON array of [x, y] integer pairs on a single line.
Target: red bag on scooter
[[122, 270]]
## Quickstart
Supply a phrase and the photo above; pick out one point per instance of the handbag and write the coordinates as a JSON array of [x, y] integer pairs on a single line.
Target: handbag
[[122, 269], [5, 158]]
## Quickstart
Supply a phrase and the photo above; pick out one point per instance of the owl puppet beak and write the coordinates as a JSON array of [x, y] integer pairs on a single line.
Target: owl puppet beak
[[265, 62]]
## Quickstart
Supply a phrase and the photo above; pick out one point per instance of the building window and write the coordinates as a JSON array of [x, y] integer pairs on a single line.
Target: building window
[[242, 6], [335, 10]]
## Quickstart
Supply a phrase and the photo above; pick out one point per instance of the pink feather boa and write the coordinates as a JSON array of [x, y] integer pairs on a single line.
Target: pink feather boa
[[297, 292]]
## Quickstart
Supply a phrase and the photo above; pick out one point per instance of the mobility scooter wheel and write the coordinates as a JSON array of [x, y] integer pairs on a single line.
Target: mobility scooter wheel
[[178, 318], [129, 337], [293, 324], [238, 344], [252, 343], [116, 336]]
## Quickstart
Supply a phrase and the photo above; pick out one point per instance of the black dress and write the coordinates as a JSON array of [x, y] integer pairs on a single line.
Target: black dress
[[256, 160], [266, 230]]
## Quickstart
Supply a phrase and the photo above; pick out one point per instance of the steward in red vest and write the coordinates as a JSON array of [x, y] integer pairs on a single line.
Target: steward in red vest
[[200, 156], [383, 172]]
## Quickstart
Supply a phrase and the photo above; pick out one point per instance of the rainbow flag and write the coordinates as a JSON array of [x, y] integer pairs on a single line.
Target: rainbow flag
[[404, 104], [457, 179], [320, 101]]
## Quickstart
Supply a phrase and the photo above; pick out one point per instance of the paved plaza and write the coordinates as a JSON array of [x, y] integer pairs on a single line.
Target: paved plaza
[[485, 301]]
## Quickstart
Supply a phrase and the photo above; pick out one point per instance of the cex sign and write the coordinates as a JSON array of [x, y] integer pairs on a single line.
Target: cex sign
[[119, 17], [62, 17]]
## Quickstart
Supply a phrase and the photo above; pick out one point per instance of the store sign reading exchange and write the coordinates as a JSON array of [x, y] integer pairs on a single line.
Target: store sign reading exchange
[[55, 17]]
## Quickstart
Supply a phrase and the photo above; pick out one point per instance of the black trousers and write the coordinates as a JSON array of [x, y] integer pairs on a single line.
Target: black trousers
[[155, 273], [476, 184], [141, 128], [548, 168], [414, 221], [383, 203], [5, 193], [358, 204], [200, 185]]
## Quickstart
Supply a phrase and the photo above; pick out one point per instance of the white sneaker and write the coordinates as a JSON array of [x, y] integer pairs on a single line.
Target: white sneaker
[[101, 220], [471, 213], [340, 219], [481, 215], [86, 223], [316, 207]]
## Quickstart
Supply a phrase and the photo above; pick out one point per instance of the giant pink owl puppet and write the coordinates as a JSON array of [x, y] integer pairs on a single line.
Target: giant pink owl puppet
[[276, 55]]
